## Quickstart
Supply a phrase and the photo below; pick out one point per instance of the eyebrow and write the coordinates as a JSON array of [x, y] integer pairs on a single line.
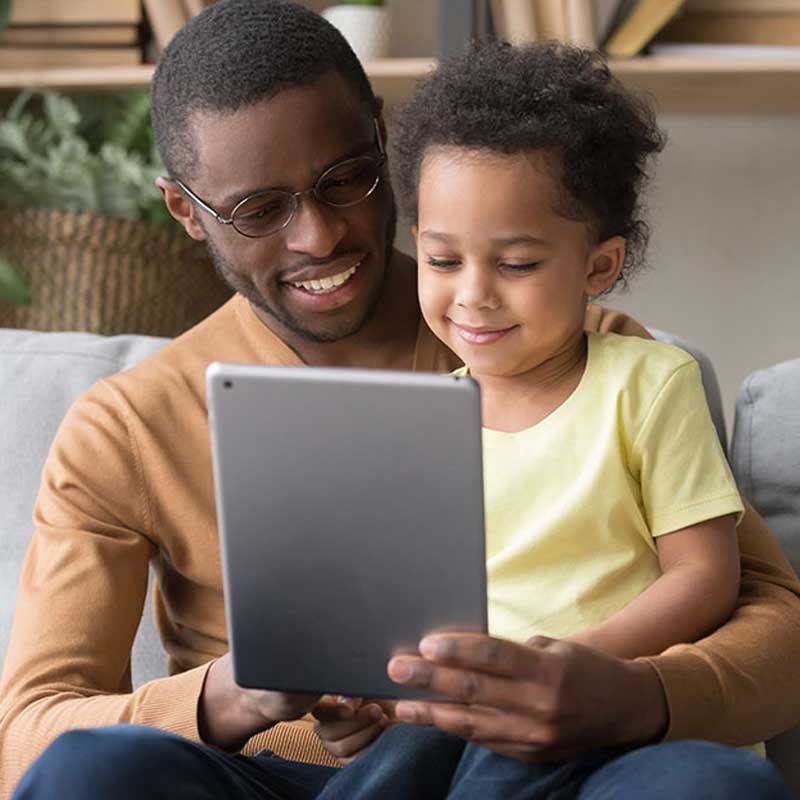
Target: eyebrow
[[232, 199], [501, 240]]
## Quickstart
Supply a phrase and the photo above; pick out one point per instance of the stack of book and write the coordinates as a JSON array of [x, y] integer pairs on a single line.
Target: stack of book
[[623, 27], [71, 33], [519, 21]]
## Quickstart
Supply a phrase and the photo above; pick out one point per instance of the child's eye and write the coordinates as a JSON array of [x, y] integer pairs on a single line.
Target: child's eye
[[521, 267], [442, 263]]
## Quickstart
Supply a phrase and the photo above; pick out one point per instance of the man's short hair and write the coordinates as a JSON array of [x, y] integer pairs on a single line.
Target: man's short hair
[[237, 53]]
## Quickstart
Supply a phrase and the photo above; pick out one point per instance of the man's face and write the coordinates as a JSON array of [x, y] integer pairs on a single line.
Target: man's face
[[321, 276]]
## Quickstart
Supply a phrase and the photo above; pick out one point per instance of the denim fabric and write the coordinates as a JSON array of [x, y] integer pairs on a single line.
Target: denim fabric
[[124, 762]]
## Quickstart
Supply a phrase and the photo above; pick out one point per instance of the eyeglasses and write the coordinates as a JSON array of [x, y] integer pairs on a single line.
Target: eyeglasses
[[341, 185]]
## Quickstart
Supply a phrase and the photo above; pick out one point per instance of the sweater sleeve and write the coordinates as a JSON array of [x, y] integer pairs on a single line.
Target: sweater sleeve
[[81, 594], [738, 685]]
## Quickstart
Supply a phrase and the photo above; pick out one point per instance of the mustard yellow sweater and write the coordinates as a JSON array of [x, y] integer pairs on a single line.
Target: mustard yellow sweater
[[129, 481]]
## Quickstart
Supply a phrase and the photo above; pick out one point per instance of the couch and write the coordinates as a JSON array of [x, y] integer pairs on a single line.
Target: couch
[[41, 374]]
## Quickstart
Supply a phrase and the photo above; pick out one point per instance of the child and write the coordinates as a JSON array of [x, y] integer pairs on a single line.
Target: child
[[610, 508]]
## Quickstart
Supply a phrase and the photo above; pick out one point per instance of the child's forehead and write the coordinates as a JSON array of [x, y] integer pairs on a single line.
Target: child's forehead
[[450, 157], [536, 171]]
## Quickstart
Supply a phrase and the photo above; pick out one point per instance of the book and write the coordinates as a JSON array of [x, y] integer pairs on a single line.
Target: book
[[582, 23], [551, 20], [738, 28], [635, 32], [515, 20], [75, 12], [43, 35], [20, 57], [166, 18]]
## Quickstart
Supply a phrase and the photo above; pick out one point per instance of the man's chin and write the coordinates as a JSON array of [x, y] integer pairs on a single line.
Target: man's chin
[[317, 331]]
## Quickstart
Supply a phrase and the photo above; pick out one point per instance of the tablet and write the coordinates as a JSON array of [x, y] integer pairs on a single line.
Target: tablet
[[350, 511]]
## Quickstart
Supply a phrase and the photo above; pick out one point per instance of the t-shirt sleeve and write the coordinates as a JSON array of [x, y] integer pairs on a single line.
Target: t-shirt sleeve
[[677, 457]]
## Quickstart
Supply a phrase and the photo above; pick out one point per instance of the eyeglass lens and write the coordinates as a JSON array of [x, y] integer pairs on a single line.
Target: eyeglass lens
[[343, 185]]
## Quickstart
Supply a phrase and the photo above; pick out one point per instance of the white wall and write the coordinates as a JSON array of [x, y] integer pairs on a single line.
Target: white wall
[[725, 254]]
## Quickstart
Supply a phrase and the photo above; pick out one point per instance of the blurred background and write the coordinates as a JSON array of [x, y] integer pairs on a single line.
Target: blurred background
[[723, 74]]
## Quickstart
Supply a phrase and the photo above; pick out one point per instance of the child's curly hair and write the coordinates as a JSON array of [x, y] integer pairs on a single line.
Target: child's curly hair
[[546, 96]]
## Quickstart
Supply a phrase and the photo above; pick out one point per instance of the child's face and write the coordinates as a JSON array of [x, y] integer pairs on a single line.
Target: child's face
[[503, 277]]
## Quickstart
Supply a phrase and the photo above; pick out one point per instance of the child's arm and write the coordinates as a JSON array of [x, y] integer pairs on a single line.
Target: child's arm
[[695, 594]]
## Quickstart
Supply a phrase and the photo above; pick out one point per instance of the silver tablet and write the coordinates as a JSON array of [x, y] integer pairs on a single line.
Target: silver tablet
[[350, 510]]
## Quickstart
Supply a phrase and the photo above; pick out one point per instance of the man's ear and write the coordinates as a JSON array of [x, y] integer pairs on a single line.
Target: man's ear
[[181, 208], [605, 265]]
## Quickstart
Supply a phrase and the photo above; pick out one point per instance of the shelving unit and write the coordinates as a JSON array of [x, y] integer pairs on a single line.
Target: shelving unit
[[678, 84]]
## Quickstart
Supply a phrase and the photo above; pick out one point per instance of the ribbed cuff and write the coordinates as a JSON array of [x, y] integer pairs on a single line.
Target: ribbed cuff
[[172, 703], [294, 741]]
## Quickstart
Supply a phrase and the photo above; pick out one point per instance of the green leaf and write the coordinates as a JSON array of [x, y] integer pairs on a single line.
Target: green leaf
[[5, 13], [13, 287]]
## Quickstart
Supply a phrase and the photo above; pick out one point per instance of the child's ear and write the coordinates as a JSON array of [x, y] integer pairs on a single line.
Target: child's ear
[[179, 205], [415, 233], [605, 265]]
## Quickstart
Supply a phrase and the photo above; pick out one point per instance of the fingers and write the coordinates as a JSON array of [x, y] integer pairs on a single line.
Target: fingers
[[484, 726], [333, 708], [461, 685], [486, 653], [346, 738]]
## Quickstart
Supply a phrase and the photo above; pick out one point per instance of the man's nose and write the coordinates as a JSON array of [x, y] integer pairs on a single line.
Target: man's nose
[[315, 229]]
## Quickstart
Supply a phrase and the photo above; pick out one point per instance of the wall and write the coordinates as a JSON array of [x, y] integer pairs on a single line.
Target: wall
[[725, 254]]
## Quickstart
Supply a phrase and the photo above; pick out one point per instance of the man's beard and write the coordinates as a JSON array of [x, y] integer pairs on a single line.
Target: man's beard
[[246, 288]]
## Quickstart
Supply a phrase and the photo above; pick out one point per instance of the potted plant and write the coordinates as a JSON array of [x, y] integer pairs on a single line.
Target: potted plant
[[84, 233], [365, 25]]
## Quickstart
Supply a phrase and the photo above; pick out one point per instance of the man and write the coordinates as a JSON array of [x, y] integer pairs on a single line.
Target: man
[[275, 148]]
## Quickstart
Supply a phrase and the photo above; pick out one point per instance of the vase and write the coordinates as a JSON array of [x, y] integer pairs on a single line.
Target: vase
[[366, 29]]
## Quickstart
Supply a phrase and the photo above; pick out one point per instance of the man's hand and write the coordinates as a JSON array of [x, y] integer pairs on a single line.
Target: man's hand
[[348, 725], [229, 715], [546, 700]]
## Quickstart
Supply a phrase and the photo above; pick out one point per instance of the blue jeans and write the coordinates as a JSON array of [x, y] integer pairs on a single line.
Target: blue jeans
[[124, 762]]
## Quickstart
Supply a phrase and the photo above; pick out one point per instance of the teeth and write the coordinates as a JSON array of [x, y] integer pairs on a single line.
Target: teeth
[[327, 284]]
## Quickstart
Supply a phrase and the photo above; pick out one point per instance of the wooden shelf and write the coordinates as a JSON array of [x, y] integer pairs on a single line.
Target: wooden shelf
[[678, 84]]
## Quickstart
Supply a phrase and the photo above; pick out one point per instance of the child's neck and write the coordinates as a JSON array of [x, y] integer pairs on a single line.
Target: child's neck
[[519, 402]]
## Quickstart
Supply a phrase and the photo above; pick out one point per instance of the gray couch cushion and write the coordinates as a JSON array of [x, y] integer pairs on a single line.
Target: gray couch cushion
[[765, 456], [41, 375], [765, 451]]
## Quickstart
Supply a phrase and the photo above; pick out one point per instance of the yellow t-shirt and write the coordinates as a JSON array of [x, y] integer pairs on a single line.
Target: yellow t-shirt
[[573, 504]]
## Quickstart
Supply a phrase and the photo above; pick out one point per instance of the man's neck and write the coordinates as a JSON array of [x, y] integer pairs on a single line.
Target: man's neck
[[387, 340]]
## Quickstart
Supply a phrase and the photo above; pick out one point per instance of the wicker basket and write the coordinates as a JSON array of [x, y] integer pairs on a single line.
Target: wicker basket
[[106, 275]]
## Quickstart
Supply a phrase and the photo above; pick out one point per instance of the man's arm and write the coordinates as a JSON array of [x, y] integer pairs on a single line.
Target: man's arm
[[81, 594], [737, 685]]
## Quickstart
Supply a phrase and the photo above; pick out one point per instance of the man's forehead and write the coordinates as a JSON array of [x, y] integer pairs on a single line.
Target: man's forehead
[[329, 100], [302, 126]]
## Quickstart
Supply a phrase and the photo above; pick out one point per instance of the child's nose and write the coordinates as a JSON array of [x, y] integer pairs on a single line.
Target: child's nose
[[476, 290]]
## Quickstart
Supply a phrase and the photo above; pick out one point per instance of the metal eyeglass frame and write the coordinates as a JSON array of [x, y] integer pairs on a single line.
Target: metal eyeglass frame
[[295, 196]]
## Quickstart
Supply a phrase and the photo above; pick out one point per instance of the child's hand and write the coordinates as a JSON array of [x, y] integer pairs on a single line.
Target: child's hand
[[348, 725]]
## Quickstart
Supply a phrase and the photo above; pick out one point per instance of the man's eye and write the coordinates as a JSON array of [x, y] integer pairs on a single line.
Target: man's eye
[[442, 263]]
